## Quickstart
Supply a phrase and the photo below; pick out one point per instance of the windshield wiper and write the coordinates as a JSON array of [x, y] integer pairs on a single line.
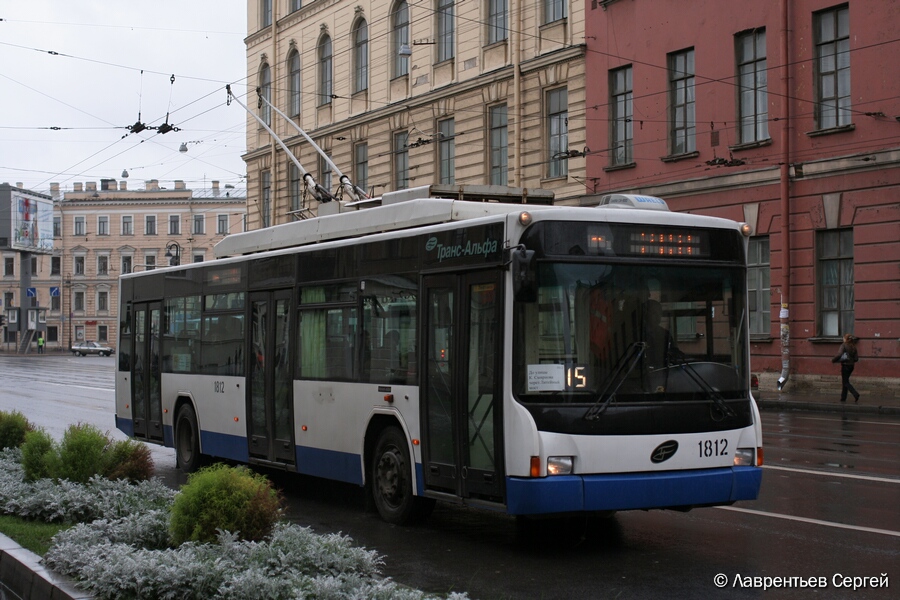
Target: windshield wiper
[[704, 385], [624, 366]]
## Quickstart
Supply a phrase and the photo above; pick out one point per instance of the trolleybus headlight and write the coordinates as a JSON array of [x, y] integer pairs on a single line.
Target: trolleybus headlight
[[744, 457], [559, 465]]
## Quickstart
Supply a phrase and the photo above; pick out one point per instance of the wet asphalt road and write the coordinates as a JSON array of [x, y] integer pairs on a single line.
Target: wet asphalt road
[[829, 508]]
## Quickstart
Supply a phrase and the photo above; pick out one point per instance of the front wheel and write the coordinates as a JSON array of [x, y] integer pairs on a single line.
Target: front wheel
[[187, 440], [392, 488]]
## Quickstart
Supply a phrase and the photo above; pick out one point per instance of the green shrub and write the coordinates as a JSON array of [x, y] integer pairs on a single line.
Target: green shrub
[[128, 459], [13, 427], [82, 453], [39, 455], [233, 499]]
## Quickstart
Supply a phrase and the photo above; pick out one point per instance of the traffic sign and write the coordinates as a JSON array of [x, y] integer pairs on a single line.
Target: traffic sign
[[31, 292], [54, 290]]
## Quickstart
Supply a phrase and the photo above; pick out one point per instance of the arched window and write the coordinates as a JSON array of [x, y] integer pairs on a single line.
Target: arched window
[[325, 73], [400, 32], [360, 56], [265, 89], [295, 81]]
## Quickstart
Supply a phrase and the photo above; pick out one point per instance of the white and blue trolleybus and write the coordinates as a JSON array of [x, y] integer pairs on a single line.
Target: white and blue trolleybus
[[530, 359]]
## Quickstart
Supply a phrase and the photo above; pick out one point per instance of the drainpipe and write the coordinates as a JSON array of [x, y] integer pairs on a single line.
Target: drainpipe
[[784, 314], [517, 83]]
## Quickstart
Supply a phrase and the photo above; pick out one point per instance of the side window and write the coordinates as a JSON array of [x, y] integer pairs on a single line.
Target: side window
[[389, 332], [328, 332]]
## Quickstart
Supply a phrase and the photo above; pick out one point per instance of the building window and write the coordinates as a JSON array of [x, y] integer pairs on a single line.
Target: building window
[[295, 5], [834, 252], [127, 262], [198, 258], [681, 89], [150, 225], [758, 285], [149, 262], [498, 21], [266, 192], [199, 227], [79, 265], [361, 56], [265, 13], [54, 303], [752, 86], [79, 301], [296, 81], [555, 10], [325, 172], [361, 165], [79, 226], [558, 122], [265, 90], [102, 333], [325, 74], [57, 227], [498, 158], [621, 127], [832, 66], [9, 267], [401, 160], [127, 225], [295, 186], [174, 225], [400, 34], [102, 301], [446, 151], [103, 225], [222, 224], [445, 25], [34, 265], [103, 265], [55, 262]]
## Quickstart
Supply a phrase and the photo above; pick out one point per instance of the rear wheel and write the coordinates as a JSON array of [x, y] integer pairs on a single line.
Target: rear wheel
[[392, 489], [187, 440]]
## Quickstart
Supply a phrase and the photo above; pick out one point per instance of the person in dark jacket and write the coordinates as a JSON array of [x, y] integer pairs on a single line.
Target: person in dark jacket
[[847, 356]]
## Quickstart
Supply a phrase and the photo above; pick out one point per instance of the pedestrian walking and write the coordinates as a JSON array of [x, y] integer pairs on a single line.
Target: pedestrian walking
[[847, 356], [40, 343]]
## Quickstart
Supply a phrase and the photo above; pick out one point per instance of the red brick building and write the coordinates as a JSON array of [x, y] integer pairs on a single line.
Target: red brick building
[[754, 111]]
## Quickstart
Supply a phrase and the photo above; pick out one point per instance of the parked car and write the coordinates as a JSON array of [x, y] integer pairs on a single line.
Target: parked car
[[89, 347]]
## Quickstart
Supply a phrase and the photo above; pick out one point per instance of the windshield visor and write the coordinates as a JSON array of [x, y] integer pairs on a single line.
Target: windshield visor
[[638, 333]]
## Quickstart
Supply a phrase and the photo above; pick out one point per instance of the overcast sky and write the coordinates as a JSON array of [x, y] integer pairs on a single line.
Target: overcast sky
[[94, 89]]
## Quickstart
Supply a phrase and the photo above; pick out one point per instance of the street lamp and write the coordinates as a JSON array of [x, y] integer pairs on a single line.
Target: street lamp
[[173, 253]]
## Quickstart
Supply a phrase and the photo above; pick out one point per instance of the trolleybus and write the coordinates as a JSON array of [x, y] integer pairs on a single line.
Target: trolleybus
[[533, 360]]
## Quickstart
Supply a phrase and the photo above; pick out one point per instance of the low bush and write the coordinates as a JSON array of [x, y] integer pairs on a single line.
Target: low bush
[[224, 498], [83, 453], [13, 427], [39, 456], [128, 459]]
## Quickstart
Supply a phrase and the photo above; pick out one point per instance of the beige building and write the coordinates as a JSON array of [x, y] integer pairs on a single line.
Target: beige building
[[404, 94], [100, 233]]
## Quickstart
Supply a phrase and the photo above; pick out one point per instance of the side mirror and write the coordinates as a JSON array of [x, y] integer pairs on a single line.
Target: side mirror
[[524, 277]]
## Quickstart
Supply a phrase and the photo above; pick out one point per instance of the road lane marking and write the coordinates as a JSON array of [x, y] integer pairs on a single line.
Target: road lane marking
[[836, 420], [847, 475], [811, 521], [83, 387]]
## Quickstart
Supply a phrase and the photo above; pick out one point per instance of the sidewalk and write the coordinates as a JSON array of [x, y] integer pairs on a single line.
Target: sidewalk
[[870, 401]]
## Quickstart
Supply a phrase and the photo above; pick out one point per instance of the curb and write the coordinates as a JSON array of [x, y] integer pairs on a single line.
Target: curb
[[866, 409], [23, 577]]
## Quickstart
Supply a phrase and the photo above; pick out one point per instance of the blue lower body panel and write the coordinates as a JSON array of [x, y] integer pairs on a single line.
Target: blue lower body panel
[[627, 491]]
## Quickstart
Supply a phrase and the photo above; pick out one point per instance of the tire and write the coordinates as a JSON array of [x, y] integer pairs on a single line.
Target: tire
[[187, 440], [392, 489]]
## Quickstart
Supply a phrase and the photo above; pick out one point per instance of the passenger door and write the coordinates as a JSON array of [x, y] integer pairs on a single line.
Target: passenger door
[[462, 421], [270, 405], [146, 377]]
